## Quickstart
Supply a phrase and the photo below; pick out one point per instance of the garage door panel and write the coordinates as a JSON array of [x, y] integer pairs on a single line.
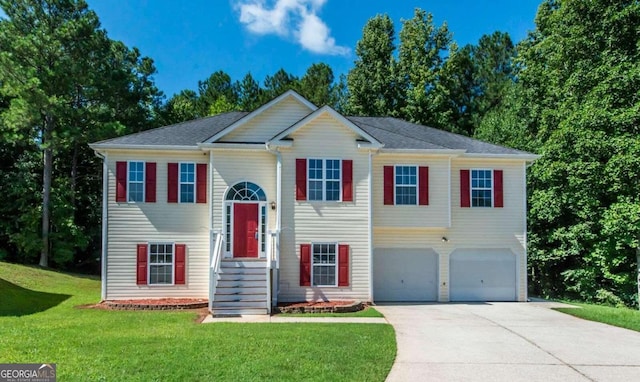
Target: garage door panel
[[405, 274], [482, 275]]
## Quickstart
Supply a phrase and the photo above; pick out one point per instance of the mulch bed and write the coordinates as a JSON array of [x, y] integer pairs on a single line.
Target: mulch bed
[[336, 306], [155, 304]]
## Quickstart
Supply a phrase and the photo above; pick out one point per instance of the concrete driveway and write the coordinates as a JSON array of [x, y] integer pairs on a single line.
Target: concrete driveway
[[507, 342]]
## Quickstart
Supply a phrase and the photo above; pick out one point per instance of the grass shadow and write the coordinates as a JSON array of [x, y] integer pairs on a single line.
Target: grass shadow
[[18, 301]]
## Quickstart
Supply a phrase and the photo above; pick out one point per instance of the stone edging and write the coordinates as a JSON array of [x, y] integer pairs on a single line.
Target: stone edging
[[168, 306], [354, 307]]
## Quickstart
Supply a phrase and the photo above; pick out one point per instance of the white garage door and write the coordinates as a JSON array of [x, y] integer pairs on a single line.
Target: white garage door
[[405, 274], [482, 275]]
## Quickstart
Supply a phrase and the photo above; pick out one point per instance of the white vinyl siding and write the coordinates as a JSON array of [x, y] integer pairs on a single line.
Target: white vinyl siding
[[324, 222], [236, 166], [135, 181], [270, 123], [131, 224], [434, 215]]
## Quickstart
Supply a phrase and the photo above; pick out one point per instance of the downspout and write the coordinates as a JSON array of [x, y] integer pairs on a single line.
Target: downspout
[[370, 212], [105, 200], [525, 165], [449, 193]]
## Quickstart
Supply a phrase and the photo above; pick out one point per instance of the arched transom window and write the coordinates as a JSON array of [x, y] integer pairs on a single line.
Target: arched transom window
[[246, 191]]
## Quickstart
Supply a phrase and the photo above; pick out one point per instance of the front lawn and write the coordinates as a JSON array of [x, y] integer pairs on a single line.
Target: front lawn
[[622, 317], [39, 322]]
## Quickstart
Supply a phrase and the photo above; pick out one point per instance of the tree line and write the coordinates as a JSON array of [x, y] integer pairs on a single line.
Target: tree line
[[569, 91]]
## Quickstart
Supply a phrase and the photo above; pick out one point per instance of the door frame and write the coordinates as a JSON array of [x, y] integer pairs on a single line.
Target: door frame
[[228, 223]]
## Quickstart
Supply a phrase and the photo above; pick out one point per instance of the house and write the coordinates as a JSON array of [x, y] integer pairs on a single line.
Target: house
[[293, 202]]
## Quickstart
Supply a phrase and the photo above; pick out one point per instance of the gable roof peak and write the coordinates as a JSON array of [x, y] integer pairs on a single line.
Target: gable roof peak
[[242, 121]]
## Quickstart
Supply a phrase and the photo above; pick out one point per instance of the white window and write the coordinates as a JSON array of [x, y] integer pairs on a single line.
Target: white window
[[324, 179], [135, 182], [481, 188], [324, 270], [187, 187], [161, 263], [406, 185]]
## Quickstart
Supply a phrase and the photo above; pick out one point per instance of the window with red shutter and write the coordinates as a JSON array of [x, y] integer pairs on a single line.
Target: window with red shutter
[[343, 265], [201, 179], [305, 264], [172, 183], [141, 264], [347, 180], [497, 189], [388, 185], [301, 179], [121, 182], [465, 192], [150, 182], [180, 264], [423, 186]]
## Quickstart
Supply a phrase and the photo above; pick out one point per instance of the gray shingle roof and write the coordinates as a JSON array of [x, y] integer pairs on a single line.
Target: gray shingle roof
[[399, 134], [188, 133], [394, 133]]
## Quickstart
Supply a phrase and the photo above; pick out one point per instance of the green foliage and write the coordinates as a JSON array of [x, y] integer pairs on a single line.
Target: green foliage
[[371, 85], [64, 84], [575, 105]]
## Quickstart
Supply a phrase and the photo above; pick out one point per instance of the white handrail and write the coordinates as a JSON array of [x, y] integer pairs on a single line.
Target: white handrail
[[216, 258]]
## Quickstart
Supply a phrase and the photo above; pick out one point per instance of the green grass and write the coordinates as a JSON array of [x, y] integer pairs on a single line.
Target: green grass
[[367, 312], [39, 322], [622, 317]]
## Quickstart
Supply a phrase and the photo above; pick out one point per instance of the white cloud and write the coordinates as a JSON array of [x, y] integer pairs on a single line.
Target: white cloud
[[297, 19]]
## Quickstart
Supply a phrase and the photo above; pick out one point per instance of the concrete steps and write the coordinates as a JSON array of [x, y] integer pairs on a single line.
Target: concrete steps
[[241, 289]]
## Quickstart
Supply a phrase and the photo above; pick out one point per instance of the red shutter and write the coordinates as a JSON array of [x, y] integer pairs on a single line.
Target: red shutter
[[201, 183], [150, 182], [301, 179], [497, 189], [423, 186], [121, 181], [141, 270], [465, 193], [172, 183], [305, 264], [347, 180], [343, 265], [388, 185], [180, 262]]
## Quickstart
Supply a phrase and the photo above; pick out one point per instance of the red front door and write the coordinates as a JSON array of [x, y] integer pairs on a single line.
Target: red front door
[[245, 230]]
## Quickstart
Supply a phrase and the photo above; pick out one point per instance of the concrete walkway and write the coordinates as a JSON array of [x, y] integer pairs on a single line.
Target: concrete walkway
[[280, 319], [507, 342]]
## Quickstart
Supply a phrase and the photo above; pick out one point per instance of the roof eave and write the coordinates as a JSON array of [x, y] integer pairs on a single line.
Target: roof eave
[[114, 146], [521, 156], [451, 152]]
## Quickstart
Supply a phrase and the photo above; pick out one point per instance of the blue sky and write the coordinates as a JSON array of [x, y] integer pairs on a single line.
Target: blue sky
[[189, 40]]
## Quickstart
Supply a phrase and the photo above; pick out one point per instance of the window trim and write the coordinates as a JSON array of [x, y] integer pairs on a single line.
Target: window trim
[[144, 181], [194, 183], [336, 265], [417, 187], [173, 263], [324, 180], [471, 188]]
